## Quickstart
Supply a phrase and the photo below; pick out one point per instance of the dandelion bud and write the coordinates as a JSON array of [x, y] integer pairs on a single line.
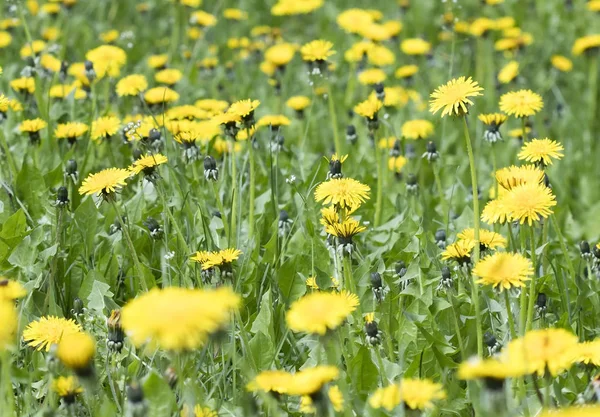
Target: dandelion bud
[[90, 73], [410, 151], [541, 301], [116, 336], [154, 228], [584, 247], [71, 170], [373, 334], [64, 67], [440, 238], [351, 134], [379, 91], [277, 143], [285, 223], [77, 306], [377, 286], [411, 183], [335, 169], [446, 280], [211, 173], [137, 154], [154, 138], [171, 377], [136, 404], [396, 150], [62, 197], [491, 342], [431, 154]]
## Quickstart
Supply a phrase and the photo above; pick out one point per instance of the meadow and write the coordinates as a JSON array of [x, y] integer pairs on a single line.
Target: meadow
[[299, 207]]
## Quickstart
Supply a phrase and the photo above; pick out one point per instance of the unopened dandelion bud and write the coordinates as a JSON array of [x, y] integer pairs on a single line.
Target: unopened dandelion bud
[[377, 286], [541, 301], [90, 73], [211, 173], [410, 151], [284, 223], [136, 404], [584, 247], [440, 238], [171, 377], [446, 280], [335, 169], [431, 154], [351, 134], [154, 228], [62, 197], [380, 91], [412, 184]]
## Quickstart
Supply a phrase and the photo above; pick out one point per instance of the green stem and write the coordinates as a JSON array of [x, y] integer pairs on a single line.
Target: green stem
[[222, 211], [349, 94], [563, 246], [136, 260], [334, 123], [51, 295], [234, 198], [524, 129], [532, 288], [523, 298], [379, 201], [509, 313], [252, 190], [440, 190], [7, 390], [455, 315], [474, 289], [9, 157], [163, 198]]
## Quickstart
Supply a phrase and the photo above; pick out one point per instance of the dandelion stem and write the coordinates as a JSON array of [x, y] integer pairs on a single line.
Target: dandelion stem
[[252, 189], [9, 157], [523, 297], [136, 260], [163, 198], [334, 123], [379, 201], [474, 289], [456, 317], [222, 211], [532, 290], [509, 313], [563, 246], [234, 198], [7, 390], [440, 190]]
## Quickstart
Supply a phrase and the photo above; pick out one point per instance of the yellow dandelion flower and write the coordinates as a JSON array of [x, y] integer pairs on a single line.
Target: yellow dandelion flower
[[415, 46], [347, 229], [310, 380], [342, 192], [335, 398], [147, 163], [561, 63], [529, 203], [318, 50], [11, 290], [543, 350], [169, 76], [497, 369], [8, 325], [487, 238], [417, 129], [311, 282], [47, 331], [32, 125], [298, 103], [493, 119], [23, 85], [159, 95], [352, 20], [67, 388], [541, 151], [319, 312], [243, 108], [574, 411], [587, 353], [372, 76], [177, 318], [271, 381], [406, 71], [397, 163], [453, 97], [459, 251], [368, 108], [417, 394], [495, 211], [503, 270], [105, 127], [273, 120], [76, 351], [521, 103], [585, 44], [104, 182], [512, 176], [107, 60], [70, 130], [509, 72], [280, 54]]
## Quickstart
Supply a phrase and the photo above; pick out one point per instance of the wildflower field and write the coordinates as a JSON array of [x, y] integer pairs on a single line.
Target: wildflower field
[[299, 207]]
